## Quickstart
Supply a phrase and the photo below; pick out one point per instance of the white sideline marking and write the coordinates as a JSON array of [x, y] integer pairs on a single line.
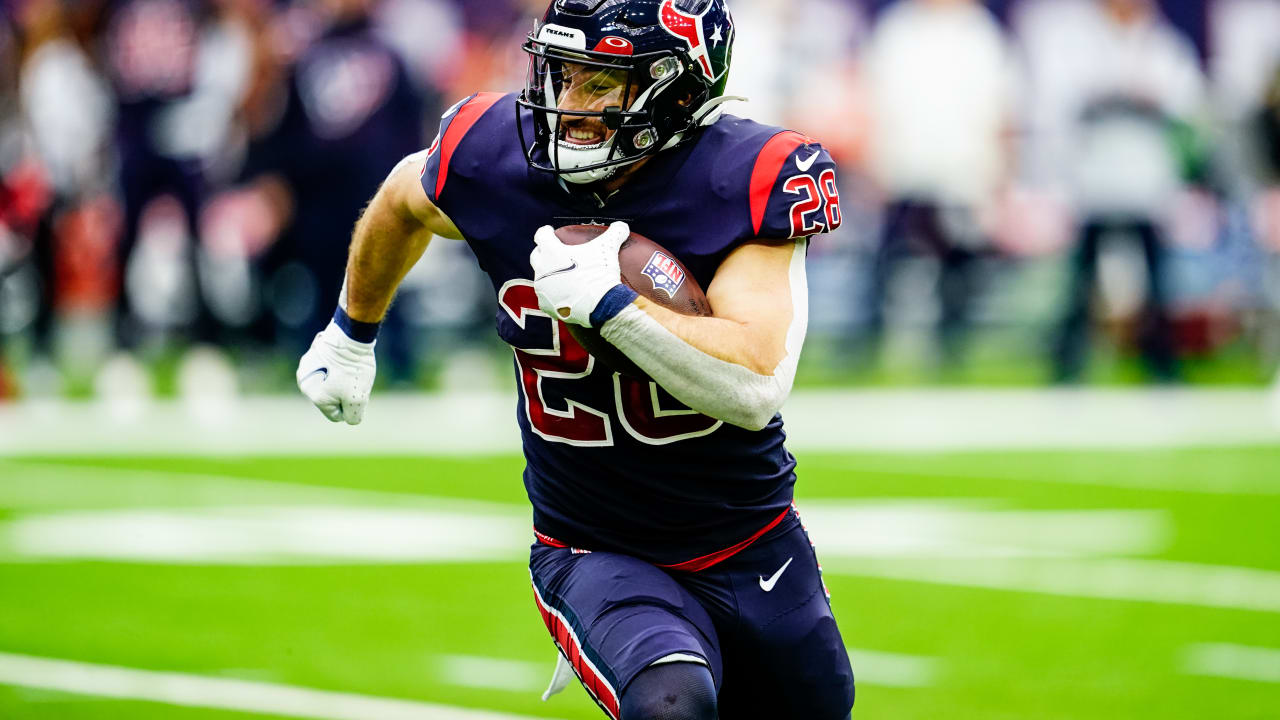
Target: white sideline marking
[[1157, 581], [977, 528], [475, 423], [1237, 662], [493, 673], [188, 690], [319, 534], [305, 535], [873, 667]]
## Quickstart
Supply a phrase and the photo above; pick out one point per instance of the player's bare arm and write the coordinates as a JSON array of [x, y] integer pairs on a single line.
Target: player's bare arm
[[751, 295], [389, 238], [739, 364], [337, 373]]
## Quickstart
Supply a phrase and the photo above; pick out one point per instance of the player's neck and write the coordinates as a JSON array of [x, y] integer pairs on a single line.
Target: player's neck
[[604, 189]]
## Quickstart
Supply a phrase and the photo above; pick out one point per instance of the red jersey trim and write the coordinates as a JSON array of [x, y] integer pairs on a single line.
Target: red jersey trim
[[697, 564], [592, 679], [466, 117], [768, 164], [548, 540]]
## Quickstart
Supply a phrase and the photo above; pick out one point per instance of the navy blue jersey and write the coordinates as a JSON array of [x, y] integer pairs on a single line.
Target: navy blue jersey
[[615, 463]]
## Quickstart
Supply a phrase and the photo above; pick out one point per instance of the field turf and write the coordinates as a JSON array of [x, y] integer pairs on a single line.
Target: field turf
[[1030, 584]]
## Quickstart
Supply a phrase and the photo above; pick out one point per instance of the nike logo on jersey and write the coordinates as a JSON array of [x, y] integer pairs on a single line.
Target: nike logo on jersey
[[318, 371], [804, 165], [572, 266], [767, 585]]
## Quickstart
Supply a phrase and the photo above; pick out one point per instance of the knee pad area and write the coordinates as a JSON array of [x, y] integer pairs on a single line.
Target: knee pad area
[[671, 691]]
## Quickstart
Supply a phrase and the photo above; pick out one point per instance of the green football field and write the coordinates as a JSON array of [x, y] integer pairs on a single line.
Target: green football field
[[1106, 584]]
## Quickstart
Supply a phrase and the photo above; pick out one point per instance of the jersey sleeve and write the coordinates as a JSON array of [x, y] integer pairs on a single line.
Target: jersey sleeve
[[793, 189], [447, 148]]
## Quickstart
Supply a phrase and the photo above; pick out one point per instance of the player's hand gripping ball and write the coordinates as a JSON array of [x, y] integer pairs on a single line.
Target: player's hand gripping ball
[[571, 280], [649, 269], [336, 375]]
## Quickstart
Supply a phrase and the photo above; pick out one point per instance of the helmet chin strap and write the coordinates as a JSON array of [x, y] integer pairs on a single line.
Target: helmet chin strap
[[568, 158]]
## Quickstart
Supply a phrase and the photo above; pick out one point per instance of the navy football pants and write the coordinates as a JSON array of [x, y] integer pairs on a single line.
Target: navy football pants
[[760, 620]]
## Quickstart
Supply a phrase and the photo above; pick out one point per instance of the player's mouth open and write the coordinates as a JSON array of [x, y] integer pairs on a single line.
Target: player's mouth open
[[582, 136]]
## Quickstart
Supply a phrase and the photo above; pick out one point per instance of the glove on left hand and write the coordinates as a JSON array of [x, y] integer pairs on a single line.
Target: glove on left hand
[[337, 373]]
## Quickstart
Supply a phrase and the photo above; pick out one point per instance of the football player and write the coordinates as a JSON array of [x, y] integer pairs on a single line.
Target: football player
[[669, 564]]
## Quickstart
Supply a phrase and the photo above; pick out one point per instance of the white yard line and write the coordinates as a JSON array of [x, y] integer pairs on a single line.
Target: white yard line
[[870, 667], [311, 533], [494, 673], [1157, 581], [873, 667], [1236, 662], [484, 422], [201, 691], [269, 535], [992, 419]]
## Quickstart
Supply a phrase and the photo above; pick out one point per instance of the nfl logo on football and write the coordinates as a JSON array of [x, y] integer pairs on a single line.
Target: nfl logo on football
[[665, 274]]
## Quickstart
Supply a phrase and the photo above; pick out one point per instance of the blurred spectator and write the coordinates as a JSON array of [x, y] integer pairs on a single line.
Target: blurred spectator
[[1268, 207], [351, 114], [1245, 48], [122, 121], [799, 79], [1116, 91], [428, 36], [13, 247], [152, 52], [1268, 120], [942, 97], [59, 165]]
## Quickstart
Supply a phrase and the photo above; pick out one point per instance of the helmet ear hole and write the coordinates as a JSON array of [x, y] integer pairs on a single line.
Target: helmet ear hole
[[674, 110]]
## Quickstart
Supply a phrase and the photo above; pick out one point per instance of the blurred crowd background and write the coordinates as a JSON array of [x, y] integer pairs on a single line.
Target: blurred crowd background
[[1036, 191]]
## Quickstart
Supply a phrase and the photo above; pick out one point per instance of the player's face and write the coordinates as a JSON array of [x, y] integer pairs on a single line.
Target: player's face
[[592, 89]]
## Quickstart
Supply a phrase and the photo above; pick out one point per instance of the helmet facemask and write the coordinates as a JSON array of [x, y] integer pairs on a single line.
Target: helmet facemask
[[597, 112]]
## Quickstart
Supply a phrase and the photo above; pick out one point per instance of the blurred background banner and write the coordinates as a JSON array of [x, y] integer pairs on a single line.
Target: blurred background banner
[[1037, 416]]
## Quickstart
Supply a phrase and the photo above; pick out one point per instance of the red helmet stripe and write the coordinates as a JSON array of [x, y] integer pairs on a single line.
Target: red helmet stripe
[[689, 28]]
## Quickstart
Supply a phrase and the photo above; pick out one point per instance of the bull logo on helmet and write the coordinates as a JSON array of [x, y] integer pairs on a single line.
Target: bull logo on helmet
[[688, 28]]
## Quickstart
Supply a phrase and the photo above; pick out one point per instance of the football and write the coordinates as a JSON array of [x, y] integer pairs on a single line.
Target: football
[[652, 271]]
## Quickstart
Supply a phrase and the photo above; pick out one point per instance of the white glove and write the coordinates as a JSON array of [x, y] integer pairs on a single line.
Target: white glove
[[570, 280], [337, 374]]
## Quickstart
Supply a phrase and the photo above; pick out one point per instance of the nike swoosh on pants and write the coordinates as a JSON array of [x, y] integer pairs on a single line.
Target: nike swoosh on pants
[[767, 585]]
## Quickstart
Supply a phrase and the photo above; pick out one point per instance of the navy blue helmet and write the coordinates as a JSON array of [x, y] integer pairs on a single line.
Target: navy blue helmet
[[636, 77]]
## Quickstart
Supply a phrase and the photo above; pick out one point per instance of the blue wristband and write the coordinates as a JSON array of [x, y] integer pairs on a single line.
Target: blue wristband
[[613, 302], [364, 332]]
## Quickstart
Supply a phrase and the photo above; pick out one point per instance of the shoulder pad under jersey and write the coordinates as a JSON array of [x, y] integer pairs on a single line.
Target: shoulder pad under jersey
[[456, 122]]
